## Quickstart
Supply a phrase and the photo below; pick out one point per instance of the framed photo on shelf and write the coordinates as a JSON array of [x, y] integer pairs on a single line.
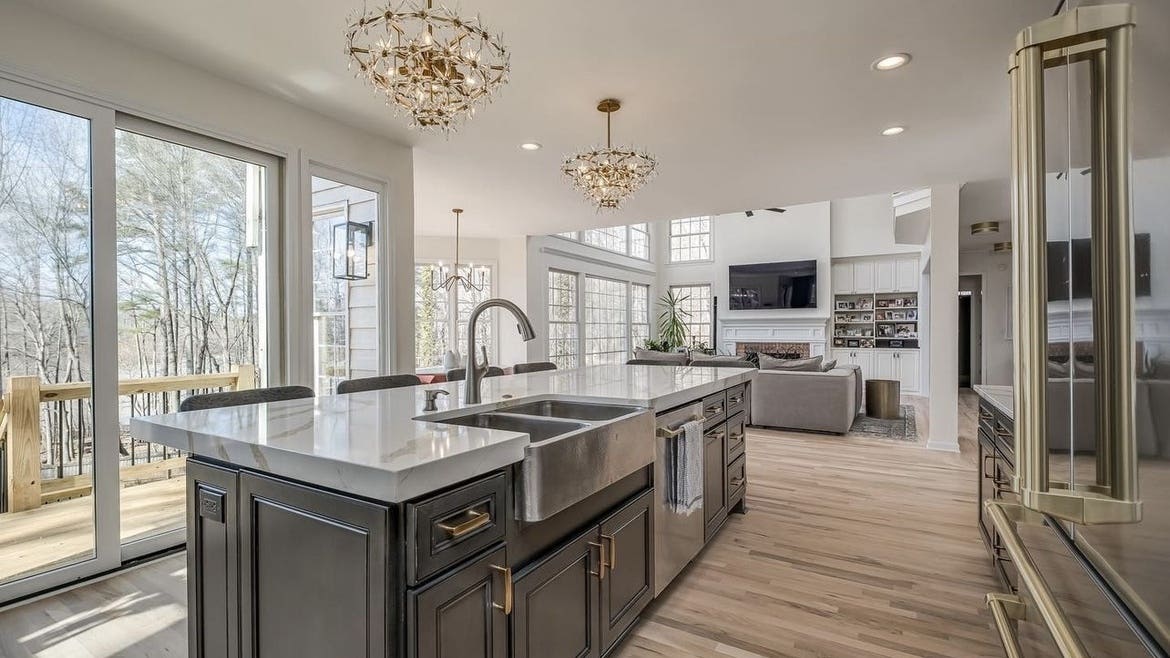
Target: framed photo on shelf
[[897, 315], [883, 303], [912, 314]]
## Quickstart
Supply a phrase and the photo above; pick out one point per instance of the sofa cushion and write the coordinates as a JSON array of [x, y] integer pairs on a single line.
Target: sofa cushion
[[723, 362], [812, 364], [829, 365], [669, 358]]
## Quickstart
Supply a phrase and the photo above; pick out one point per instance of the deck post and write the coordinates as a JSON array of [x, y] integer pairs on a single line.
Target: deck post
[[24, 443], [245, 377]]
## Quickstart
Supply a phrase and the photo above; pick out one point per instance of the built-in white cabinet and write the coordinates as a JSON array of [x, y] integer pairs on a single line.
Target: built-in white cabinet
[[885, 275], [863, 276], [901, 365], [876, 274], [842, 274], [907, 274]]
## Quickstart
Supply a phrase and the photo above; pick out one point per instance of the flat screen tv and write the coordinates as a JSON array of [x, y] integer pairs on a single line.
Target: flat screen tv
[[1076, 278], [791, 284]]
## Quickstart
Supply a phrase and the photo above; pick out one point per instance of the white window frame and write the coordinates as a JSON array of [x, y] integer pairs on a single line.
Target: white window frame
[[671, 235], [453, 313], [711, 310], [625, 323], [579, 238]]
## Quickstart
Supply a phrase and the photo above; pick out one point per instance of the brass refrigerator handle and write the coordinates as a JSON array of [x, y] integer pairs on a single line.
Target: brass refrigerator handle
[[1004, 517], [509, 590], [1102, 36], [1005, 608]]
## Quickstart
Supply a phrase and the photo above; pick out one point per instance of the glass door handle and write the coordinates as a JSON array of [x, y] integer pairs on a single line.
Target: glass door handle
[[1102, 36]]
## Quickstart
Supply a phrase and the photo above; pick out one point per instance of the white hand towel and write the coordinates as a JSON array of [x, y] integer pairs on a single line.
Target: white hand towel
[[688, 468]]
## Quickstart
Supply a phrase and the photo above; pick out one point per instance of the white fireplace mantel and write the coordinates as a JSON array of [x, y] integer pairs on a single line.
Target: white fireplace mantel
[[773, 330]]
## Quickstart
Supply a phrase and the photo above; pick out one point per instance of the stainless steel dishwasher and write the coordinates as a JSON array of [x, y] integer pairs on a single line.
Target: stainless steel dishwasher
[[677, 537]]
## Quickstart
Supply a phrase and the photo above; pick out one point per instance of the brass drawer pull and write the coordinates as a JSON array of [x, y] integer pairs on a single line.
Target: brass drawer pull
[[985, 414], [738, 482], [475, 521], [736, 437], [602, 564], [509, 590], [1030, 578], [1004, 608], [612, 551], [714, 410], [735, 401], [1001, 432]]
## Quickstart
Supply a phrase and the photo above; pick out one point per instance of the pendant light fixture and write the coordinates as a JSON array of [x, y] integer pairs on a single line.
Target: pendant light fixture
[[455, 278], [607, 176]]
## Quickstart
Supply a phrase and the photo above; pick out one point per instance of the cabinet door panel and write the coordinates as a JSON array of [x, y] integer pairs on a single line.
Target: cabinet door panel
[[629, 584], [907, 274], [885, 278], [864, 359], [557, 603], [842, 274], [457, 616], [314, 572], [863, 276], [884, 366], [212, 561], [908, 369], [714, 479]]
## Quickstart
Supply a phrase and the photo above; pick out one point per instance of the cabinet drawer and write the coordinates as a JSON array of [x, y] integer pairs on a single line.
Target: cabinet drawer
[[736, 436], [715, 409], [451, 526], [986, 417], [736, 480], [736, 399]]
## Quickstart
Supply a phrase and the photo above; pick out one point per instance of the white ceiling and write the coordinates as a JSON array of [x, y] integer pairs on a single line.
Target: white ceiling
[[746, 104]]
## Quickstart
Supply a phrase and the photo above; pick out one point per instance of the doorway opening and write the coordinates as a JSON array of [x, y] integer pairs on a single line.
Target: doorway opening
[[970, 330]]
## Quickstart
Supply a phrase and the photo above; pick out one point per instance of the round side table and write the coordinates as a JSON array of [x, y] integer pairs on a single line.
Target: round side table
[[883, 398]]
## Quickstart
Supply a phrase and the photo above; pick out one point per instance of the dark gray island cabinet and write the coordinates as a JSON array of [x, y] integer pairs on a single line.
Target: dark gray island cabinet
[[278, 568], [292, 553]]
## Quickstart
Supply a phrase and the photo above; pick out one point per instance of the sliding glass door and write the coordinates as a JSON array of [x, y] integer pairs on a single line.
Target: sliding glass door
[[192, 300], [133, 273], [58, 492]]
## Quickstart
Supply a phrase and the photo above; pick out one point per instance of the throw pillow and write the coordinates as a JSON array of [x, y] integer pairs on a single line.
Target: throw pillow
[[671, 358], [723, 362], [702, 356], [800, 365], [829, 365]]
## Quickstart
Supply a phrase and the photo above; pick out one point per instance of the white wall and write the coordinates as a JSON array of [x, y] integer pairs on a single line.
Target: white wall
[[801, 233], [48, 51], [864, 226], [943, 313], [996, 270]]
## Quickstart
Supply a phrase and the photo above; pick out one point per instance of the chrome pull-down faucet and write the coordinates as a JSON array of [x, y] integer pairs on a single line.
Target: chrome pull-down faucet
[[476, 369]]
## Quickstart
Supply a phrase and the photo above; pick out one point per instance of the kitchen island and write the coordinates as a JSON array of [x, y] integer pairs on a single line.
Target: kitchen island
[[360, 525]]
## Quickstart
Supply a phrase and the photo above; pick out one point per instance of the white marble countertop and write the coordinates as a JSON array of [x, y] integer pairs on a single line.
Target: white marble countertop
[[1001, 397], [375, 444]]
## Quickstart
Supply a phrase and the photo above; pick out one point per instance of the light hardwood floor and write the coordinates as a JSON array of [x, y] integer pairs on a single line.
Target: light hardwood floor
[[851, 547]]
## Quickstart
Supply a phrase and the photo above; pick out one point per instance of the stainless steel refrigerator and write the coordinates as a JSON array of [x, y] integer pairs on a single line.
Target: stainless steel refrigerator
[[1082, 528]]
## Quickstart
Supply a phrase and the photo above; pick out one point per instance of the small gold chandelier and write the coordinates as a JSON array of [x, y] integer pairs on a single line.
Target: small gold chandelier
[[429, 62], [608, 176], [468, 282]]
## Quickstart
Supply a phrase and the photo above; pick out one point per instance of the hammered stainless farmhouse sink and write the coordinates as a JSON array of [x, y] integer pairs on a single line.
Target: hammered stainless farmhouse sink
[[577, 448]]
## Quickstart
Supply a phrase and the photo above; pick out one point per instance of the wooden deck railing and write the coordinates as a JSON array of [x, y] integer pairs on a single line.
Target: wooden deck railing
[[21, 432]]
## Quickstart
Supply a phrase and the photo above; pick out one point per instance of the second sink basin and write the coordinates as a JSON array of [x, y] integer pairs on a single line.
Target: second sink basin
[[537, 429], [572, 410]]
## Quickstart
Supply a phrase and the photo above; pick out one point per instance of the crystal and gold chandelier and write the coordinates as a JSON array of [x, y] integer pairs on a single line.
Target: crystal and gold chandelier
[[608, 176], [429, 62]]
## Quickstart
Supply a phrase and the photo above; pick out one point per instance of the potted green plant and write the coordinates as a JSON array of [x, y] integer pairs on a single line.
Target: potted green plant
[[672, 328]]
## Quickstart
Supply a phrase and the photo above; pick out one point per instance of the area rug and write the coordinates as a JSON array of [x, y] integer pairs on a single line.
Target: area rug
[[900, 429]]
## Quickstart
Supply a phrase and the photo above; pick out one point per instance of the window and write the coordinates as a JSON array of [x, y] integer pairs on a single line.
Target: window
[[690, 239], [606, 336], [441, 316], [345, 312], [632, 240], [696, 302], [562, 319], [640, 241], [639, 314], [610, 239]]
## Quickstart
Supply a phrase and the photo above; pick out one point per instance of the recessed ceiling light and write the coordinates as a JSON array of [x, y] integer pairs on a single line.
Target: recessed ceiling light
[[530, 146], [894, 130], [891, 62]]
